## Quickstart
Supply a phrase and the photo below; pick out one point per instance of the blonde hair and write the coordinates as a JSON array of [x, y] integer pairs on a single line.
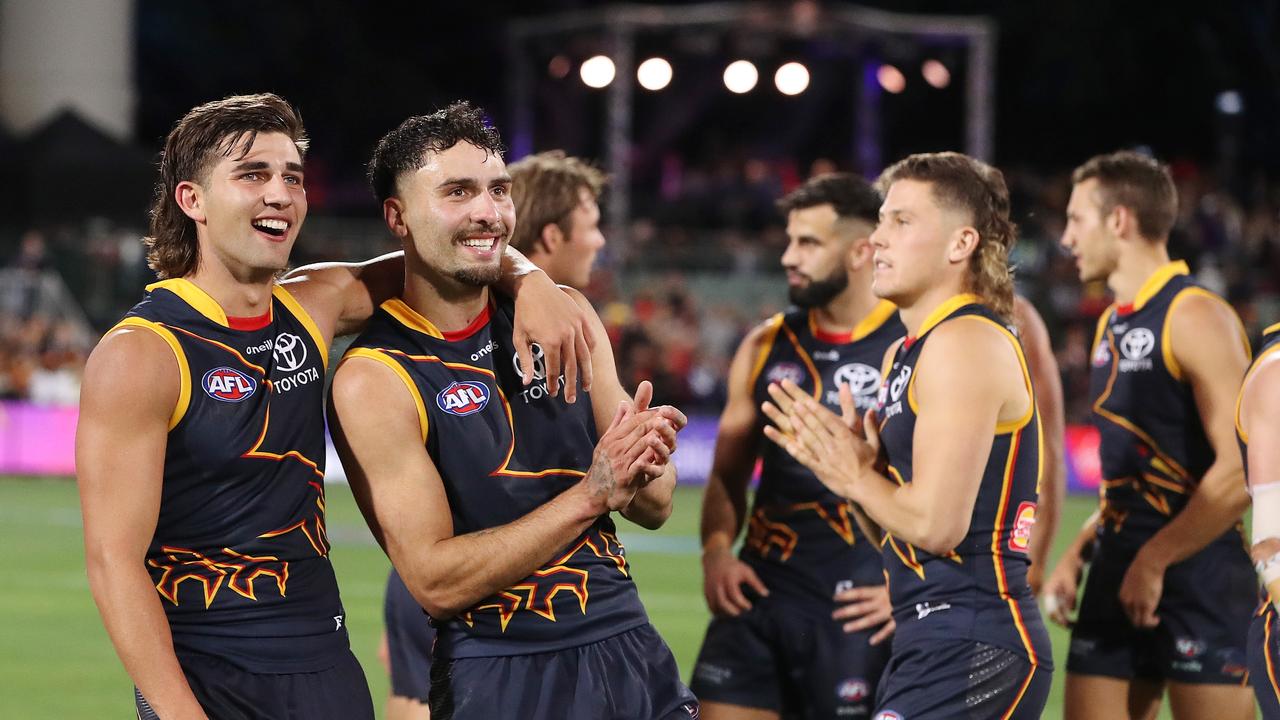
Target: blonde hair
[[545, 188], [963, 183]]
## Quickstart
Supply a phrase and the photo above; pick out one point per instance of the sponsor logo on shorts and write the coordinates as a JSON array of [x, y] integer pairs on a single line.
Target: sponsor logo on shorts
[[1083, 646], [228, 384], [785, 371], [694, 710], [337, 622], [713, 674], [1023, 520], [924, 609], [853, 690], [1194, 666], [463, 398], [1189, 647], [888, 715]]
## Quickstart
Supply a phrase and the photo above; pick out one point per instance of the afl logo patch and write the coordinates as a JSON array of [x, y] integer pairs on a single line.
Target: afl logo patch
[[228, 384], [853, 690], [785, 371], [463, 398]]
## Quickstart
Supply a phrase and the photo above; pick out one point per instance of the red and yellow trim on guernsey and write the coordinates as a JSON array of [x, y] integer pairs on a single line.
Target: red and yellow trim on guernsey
[[1266, 356], [184, 370], [194, 296], [867, 325], [1015, 429]]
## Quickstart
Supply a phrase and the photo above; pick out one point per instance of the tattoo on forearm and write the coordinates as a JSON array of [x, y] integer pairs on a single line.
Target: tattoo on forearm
[[601, 473]]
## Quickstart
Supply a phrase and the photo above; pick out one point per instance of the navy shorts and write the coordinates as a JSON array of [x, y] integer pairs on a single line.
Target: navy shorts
[[965, 679], [1205, 610], [630, 676], [795, 661], [228, 692], [1264, 662], [410, 636]]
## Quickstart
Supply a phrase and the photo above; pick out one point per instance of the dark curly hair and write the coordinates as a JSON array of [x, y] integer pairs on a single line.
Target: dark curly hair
[[972, 186], [850, 196], [1138, 182], [405, 149], [207, 133]]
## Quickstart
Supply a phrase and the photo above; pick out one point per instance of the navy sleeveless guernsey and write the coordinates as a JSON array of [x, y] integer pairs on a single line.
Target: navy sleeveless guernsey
[[979, 590], [504, 449], [240, 556], [801, 538]]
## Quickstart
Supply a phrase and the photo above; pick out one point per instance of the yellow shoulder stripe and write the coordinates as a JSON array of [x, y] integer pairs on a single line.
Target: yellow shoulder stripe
[[1166, 332], [194, 296], [766, 346], [184, 370], [1274, 350], [304, 317], [398, 369]]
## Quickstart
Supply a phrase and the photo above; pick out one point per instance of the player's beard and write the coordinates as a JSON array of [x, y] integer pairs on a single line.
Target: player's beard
[[482, 275], [819, 292]]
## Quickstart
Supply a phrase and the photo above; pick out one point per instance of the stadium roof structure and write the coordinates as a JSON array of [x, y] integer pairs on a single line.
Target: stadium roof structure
[[618, 26]]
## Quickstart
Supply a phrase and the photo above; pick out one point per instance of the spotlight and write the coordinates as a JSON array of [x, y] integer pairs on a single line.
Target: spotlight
[[654, 74], [559, 67], [741, 76], [891, 79], [791, 79], [597, 71], [1230, 102], [935, 73]]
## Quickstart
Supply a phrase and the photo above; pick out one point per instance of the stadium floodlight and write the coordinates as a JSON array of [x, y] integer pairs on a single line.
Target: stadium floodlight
[[935, 73], [791, 79], [1230, 102], [597, 71], [741, 76], [559, 67], [891, 79], [654, 74]]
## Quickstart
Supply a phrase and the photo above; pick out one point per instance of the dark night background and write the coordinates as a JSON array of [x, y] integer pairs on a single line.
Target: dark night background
[[1073, 79]]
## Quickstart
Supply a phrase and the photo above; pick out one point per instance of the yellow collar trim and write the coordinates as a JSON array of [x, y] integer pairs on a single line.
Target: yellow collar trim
[[194, 296], [1158, 280], [410, 318], [950, 305], [878, 316]]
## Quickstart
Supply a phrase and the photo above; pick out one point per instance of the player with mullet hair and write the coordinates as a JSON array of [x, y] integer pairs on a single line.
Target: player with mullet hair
[[950, 462], [200, 447], [493, 501], [773, 648], [1170, 590]]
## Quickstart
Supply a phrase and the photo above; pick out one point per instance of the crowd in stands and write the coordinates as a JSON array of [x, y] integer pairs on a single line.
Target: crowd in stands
[[651, 287]]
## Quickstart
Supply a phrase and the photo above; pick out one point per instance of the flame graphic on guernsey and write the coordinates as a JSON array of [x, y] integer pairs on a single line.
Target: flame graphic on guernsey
[[237, 570], [556, 577]]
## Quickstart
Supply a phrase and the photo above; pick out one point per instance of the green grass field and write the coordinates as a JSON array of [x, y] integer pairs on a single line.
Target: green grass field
[[56, 660]]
